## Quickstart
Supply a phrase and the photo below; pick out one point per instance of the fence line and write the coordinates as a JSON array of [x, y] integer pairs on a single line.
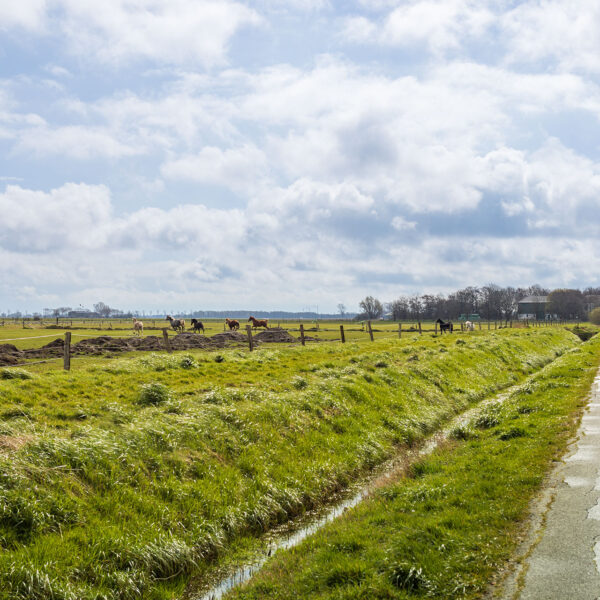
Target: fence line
[[368, 330]]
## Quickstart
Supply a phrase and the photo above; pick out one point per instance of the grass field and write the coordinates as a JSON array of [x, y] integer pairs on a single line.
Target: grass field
[[448, 528], [36, 334], [126, 477]]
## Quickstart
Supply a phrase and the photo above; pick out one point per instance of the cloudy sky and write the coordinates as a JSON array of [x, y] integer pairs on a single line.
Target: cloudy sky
[[276, 154]]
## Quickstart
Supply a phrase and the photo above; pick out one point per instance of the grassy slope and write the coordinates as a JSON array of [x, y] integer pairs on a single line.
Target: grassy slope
[[445, 531], [104, 497]]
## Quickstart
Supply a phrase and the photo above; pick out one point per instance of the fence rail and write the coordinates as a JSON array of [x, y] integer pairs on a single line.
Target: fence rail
[[415, 328]]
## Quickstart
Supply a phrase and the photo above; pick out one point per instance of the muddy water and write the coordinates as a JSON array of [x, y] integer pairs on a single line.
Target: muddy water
[[296, 531]]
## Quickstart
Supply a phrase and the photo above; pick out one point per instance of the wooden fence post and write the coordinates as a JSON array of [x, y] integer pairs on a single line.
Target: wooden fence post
[[250, 340], [479, 323], [400, 330], [420, 331], [166, 340], [489, 326], [436, 324], [67, 352], [302, 334], [342, 334], [462, 326], [370, 330]]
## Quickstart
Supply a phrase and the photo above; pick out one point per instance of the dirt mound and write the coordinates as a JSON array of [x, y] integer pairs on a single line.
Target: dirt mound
[[231, 336], [275, 335], [105, 344], [8, 349]]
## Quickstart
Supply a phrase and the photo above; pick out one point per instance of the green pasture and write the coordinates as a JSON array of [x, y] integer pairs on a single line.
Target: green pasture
[[129, 477], [448, 528], [39, 333]]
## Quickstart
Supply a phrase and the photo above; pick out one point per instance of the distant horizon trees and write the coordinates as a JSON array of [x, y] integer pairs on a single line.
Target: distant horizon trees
[[489, 301]]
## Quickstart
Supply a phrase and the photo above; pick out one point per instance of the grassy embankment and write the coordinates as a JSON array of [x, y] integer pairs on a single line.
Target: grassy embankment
[[448, 528], [122, 478]]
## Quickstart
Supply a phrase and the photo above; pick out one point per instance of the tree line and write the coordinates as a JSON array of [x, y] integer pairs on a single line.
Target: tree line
[[490, 302]]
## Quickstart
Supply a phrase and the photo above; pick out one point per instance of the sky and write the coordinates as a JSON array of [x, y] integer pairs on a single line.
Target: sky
[[282, 154]]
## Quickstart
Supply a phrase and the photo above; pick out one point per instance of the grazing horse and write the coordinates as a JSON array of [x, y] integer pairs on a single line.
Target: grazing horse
[[445, 326], [197, 325], [138, 327], [259, 323], [469, 326], [176, 324], [232, 324]]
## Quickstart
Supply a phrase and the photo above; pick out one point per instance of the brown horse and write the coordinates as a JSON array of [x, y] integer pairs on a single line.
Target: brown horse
[[232, 324], [259, 323], [176, 324]]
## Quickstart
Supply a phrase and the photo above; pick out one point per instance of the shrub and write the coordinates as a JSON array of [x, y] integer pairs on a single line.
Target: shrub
[[299, 383], [188, 362], [153, 393], [595, 316]]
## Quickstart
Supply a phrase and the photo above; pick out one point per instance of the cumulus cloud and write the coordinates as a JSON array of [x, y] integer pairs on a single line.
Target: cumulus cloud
[[565, 32], [236, 168], [437, 25], [349, 170], [119, 31], [25, 14]]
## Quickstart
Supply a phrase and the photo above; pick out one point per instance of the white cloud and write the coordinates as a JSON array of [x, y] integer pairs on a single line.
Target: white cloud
[[402, 224], [438, 25], [565, 32], [121, 31], [76, 142], [24, 14], [72, 216], [237, 168]]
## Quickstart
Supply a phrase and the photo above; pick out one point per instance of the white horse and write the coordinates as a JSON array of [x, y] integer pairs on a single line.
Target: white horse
[[469, 326], [138, 327]]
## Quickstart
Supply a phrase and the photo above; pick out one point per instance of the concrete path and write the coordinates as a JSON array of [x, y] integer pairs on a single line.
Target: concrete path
[[565, 563]]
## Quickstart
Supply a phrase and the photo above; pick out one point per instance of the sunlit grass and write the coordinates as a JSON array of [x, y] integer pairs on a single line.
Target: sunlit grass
[[108, 490]]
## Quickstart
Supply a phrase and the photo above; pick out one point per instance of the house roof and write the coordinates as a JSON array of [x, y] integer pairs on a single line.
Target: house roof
[[534, 300]]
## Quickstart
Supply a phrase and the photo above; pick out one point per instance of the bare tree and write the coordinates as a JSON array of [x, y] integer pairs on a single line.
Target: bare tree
[[371, 307], [341, 309], [103, 309]]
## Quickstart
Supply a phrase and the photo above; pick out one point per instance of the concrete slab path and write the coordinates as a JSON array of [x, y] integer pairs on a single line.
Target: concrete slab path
[[564, 564]]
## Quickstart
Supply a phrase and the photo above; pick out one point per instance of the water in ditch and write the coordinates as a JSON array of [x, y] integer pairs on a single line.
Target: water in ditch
[[293, 533]]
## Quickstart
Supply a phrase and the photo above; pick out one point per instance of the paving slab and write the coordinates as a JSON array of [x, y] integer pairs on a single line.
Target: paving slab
[[564, 562]]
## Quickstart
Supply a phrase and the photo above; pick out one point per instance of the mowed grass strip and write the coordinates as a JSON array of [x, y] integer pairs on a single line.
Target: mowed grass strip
[[124, 478], [447, 530]]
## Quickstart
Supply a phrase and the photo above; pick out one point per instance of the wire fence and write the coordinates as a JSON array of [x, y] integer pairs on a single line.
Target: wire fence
[[371, 335]]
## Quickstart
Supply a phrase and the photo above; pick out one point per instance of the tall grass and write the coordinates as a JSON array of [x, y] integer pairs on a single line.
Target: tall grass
[[121, 479]]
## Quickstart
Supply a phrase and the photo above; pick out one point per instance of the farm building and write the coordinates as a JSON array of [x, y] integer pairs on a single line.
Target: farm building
[[533, 307]]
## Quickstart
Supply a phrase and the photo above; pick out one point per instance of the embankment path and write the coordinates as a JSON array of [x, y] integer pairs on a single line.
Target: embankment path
[[563, 550]]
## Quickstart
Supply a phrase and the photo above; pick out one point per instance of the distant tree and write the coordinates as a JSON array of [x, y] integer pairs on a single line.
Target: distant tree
[[491, 296], [508, 300], [341, 309], [103, 309], [595, 316], [371, 307], [399, 309], [61, 310], [566, 304]]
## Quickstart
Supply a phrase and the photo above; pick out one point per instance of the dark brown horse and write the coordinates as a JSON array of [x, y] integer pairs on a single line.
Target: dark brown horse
[[197, 326], [176, 324], [259, 323], [232, 324], [448, 327]]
